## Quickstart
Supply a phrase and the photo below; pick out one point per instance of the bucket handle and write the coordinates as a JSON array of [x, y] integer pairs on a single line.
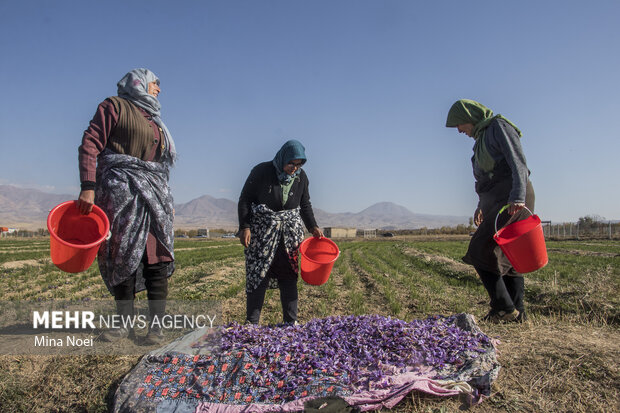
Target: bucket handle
[[509, 221], [107, 238]]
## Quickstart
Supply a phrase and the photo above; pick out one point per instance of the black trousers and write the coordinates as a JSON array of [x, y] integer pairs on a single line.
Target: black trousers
[[506, 292], [156, 282], [288, 299], [287, 284]]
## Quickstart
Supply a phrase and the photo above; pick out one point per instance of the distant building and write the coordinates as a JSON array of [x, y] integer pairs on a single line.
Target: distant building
[[370, 233], [333, 232], [4, 231]]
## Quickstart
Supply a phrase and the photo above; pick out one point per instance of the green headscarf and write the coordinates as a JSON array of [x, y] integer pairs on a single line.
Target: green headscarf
[[470, 111]]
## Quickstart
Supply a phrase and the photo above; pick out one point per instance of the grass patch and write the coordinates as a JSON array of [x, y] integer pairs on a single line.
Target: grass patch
[[563, 359]]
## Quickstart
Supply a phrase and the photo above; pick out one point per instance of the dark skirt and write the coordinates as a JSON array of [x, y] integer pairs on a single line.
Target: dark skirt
[[483, 252], [281, 268]]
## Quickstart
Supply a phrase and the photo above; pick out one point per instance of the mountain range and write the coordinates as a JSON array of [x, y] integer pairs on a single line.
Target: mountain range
[[28, 209]]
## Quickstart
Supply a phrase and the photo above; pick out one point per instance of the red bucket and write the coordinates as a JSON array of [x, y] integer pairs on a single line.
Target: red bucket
[[317, 259], [75, 238], [523, 243]]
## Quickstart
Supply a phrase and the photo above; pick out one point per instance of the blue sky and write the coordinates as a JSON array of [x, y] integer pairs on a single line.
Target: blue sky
[[364, 85]]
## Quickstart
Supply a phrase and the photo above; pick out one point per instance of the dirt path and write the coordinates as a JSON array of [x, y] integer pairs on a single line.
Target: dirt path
[[201, 248], [11, 265], [584, 253], [454, 265]]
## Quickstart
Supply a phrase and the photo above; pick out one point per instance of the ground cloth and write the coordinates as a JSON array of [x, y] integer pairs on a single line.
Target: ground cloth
[[196, 374]]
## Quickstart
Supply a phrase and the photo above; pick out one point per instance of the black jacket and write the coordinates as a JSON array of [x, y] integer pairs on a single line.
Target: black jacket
[[263, 187]]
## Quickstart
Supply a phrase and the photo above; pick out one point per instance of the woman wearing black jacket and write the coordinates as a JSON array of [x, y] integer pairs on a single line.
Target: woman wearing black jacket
[[272, 205]]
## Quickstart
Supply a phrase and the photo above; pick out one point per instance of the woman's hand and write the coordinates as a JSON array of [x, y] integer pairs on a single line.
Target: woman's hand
[[245, 236], [478, 218], [316, 232], [85, 201], [515, 207]]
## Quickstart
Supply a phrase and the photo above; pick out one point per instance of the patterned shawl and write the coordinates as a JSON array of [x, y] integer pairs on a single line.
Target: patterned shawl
[[136, 198], [267, 228]]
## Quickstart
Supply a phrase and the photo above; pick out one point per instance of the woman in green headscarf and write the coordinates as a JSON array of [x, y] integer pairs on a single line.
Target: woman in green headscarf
[[502, 178], [274, 206]]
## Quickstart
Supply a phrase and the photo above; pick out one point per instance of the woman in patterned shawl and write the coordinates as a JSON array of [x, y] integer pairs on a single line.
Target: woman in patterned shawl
[[502, 178], [124, 163], [272, 205]]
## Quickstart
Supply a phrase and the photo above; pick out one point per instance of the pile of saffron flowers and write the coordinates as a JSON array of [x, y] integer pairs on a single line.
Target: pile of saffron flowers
[[360, 352]]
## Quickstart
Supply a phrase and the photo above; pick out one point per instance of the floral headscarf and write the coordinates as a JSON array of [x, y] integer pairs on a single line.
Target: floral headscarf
[[134, 87]]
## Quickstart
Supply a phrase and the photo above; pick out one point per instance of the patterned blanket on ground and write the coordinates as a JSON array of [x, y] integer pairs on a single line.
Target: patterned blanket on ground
[[369, 361]]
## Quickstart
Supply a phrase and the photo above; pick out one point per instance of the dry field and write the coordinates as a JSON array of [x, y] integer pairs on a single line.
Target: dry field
[[565, 358]]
